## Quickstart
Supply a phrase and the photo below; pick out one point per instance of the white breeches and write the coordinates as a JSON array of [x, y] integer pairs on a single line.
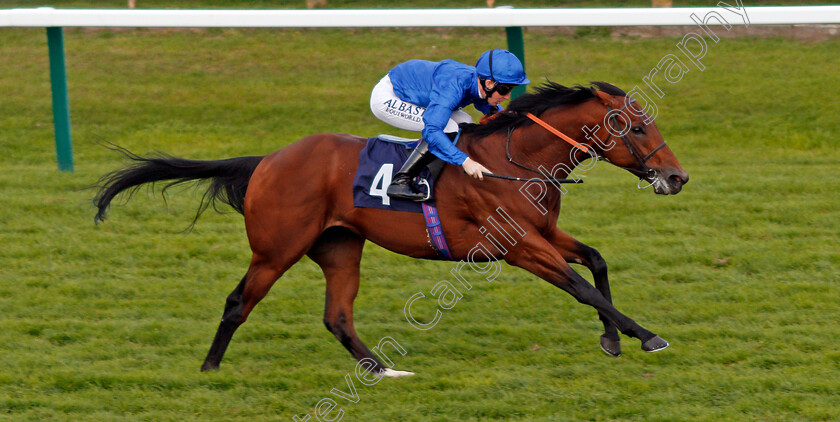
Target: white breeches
[[389, 108]]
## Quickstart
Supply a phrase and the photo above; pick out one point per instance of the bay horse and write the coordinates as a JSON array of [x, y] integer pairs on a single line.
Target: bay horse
[[299, 201]]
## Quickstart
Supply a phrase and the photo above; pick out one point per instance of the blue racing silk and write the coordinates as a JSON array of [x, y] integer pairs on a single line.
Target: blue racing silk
[[440, 87]]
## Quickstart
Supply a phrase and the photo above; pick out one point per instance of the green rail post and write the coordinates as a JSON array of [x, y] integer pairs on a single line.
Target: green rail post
[[61, 103], [516, 46]]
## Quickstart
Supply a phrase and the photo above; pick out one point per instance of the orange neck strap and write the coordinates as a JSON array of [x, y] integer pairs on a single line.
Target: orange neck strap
[[561, 135]]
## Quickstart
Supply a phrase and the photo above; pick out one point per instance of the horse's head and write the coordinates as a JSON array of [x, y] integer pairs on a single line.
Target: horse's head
[[630, 139], [614, 126]]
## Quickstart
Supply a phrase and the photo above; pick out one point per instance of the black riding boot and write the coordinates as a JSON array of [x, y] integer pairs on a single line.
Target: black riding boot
[[401, 186]]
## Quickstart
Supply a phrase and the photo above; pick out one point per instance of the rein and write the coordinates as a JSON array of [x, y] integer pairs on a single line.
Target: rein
[[523, 179], [511, 160]]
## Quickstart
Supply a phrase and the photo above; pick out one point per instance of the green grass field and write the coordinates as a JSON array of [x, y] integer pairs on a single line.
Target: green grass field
[[111, 322]]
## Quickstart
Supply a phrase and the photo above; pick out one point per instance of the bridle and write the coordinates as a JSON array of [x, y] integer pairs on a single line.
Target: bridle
[[643, 173]]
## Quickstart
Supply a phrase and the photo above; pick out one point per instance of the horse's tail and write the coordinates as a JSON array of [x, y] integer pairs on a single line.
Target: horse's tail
[[228, 179]]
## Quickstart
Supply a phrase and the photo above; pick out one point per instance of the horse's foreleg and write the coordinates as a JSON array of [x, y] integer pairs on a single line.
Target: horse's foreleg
[[574, 251], [539, 257], [253, 287], [339, 252]]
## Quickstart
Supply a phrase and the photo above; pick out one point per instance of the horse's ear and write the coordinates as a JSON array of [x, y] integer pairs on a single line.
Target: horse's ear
[[605, 98]]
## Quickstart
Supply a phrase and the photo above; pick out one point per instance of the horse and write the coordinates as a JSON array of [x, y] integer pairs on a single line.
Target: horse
[[298, 201]]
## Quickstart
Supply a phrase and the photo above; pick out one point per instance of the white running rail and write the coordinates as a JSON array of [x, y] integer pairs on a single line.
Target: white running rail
[[343, 18]]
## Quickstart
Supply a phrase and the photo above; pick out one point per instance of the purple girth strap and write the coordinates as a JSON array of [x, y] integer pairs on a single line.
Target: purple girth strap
[[430, 213]]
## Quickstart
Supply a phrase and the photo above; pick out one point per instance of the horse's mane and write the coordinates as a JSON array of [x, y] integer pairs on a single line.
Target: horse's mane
[[546, 96]]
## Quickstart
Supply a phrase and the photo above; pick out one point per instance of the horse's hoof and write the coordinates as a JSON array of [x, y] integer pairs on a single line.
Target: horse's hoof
[[611, 347], [209, 367], [388, 372], [655, 344]]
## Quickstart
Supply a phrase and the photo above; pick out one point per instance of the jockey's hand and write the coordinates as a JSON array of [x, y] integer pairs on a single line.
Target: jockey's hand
[[474, 169]]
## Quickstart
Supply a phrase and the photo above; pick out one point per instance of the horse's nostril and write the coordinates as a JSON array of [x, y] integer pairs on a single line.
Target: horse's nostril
[[677, 180]]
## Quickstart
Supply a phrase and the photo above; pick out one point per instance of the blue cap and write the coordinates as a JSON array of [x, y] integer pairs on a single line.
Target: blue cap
[[501, 66]]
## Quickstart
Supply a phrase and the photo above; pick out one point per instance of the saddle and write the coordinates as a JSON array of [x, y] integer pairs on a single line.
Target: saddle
[[379, 161]]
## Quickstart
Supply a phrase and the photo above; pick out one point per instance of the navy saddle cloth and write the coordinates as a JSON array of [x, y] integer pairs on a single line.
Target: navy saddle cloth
[[379, 161]]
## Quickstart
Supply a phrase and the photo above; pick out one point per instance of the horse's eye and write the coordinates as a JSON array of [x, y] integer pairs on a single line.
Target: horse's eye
[[638, 130]]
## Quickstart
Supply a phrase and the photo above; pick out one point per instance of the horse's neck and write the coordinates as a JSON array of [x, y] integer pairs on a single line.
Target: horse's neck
[[534, 147]]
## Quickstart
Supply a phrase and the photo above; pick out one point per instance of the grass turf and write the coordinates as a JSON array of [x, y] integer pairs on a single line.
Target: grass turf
[[739, 272]]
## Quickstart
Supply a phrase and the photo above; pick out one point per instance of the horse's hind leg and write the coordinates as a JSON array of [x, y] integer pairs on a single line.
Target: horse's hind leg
[[254, 286], [338, 252], [574, 251], [226, 329]]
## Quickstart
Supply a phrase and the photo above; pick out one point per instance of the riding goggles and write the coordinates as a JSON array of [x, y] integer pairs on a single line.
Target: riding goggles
[[504, 89]]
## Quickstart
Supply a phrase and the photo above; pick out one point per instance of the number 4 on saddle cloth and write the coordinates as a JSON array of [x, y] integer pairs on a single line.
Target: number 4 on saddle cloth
[[379, 161]]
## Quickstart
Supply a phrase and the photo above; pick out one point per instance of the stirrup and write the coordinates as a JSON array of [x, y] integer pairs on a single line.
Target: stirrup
[[425, 182]]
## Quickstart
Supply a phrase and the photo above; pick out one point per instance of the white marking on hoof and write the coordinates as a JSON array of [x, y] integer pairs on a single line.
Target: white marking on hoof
[[388, 372], [659, 349]]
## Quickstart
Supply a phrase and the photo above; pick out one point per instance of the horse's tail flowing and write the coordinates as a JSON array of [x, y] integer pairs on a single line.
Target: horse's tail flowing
[[228, 179]]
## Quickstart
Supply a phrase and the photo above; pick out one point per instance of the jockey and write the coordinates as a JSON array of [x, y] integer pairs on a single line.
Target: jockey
[[427, 97]]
